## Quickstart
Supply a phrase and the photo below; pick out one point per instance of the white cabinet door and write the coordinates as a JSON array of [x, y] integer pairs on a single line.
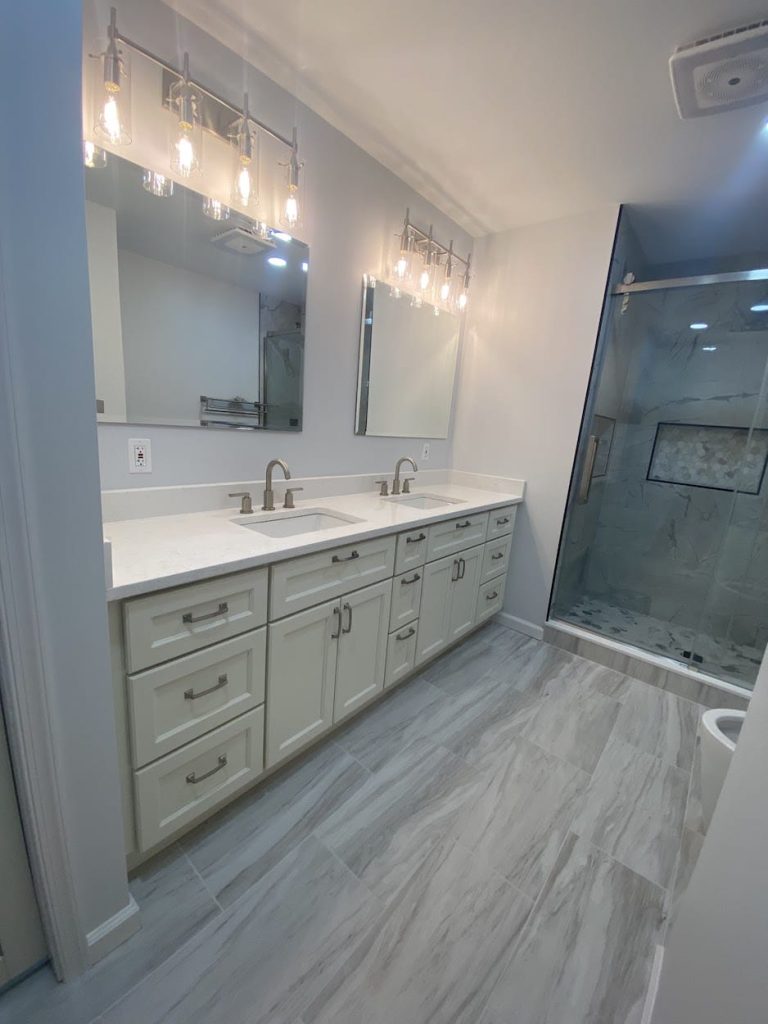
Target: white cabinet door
[[434, 616], [464, 593], [362, 647], [301, 669]]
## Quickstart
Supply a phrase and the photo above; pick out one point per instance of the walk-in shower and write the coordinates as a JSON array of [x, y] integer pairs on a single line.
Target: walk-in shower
[[665, 541]]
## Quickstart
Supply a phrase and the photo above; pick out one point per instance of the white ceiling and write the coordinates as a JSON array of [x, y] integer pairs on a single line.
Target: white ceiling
[[505, 112]]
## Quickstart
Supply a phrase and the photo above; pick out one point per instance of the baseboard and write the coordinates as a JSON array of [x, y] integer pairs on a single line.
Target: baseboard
[[653, 986], [521, 625], [112, 932]]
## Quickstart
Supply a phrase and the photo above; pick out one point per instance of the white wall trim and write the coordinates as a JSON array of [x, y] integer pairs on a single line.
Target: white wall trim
[[521, 625], [653, 985], [110, 933]]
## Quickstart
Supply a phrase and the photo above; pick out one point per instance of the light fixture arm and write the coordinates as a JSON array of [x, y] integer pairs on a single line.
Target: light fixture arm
[[426, 242], [112, 70]]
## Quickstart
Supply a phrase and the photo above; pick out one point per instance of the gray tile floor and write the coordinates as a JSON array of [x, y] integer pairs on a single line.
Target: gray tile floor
[[502, 839]]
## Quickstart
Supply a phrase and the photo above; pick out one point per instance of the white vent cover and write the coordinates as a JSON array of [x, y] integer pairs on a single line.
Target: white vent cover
[[242, 241], [724, 72]]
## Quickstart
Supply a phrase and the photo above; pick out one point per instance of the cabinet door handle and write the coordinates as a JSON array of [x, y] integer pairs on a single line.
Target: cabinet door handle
[[221, 763], [464, 525], [337, 634], [414, 579], [495, 558], [191, 695], [493, 596], [503, 521], [221, 610], [416, 539], [455, 570], [347, 608], [346, 558], [463, 568], [406, 636]]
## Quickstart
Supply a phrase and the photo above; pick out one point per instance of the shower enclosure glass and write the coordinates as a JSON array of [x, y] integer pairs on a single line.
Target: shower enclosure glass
[[665, 542]]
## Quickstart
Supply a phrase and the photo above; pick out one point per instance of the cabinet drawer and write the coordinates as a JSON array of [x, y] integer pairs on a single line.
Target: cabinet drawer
[[175, 622], [178, 788], [406, 598], [495, 558], [411, 550], [175, 703], [501, 521], [401, 654], [455, 535], [490, 598], [311, 579]]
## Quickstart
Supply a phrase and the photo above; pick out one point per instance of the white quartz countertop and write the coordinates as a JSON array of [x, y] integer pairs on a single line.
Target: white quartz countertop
[[165, 551]]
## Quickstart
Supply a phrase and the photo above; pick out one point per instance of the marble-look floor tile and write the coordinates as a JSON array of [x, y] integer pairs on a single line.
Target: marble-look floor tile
[[489, 648], [236, 848], [521, 812], [174, 906], [437, 950], [659, 723], [633, 809], [694, 811], [585, 953], [690, 848], [267, 956], [400, 811]]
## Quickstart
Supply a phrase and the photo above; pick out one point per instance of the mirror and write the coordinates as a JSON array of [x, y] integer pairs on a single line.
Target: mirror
[[192, 325], [407, 365]]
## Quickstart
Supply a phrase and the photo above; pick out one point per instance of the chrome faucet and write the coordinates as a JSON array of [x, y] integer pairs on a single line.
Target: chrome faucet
[[396, 481], [269, 494]]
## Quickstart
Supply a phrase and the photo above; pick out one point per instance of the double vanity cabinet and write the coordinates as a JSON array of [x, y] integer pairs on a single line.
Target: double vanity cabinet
[[220, 681]]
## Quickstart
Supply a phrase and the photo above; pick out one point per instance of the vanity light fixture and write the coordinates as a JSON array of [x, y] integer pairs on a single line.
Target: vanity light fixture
[[433, 271], [404, 263], [112, 93], [215, 209], [463, 297], [157, 184], [246, 142], [446, 287], [291, 205], [427, 271], [94, 156], [188, 134]]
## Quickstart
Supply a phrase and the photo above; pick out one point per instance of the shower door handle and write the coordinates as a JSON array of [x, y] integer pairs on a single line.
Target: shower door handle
[[589, 467]]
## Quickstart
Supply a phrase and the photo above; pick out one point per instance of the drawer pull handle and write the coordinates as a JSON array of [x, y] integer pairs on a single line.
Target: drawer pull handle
[[346, 558], [406, 636], [222, 763], [337, 634], [503, 521], [221, 610], [222, 681], [464, 525], [348, 608], [495, 558], [414, 579], [416, 539], [493, 596]]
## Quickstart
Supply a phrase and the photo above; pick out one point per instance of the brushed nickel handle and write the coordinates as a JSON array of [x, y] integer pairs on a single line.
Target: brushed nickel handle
[[503, 521], [455, 570], [463, 568], [346, 558], [492, 597], [585, 484], [347, 608], [337, 634], [221, 610], [415, 540], [495, 558], [406, 636], [222, 681], [383, 487], [464, 525], [414, 579], [194, 779]]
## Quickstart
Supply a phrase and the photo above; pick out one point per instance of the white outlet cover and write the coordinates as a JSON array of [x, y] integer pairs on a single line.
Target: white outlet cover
[[425, 451], [139, 455]]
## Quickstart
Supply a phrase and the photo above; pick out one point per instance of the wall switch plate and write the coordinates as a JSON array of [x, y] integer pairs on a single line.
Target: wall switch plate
[[139, 455], [425, 452]]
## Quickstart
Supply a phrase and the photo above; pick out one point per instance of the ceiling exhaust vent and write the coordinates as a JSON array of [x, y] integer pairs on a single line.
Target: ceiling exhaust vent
[[724, 72], [243, 241]]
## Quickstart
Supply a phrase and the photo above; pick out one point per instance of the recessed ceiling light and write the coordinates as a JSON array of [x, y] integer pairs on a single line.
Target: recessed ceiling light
[[277, 261], [282, 236], [699, 327], [709, 348], [761, 307]]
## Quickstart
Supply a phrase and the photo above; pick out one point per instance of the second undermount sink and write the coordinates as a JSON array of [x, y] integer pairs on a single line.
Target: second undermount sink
[[424, 500], [293, 524]]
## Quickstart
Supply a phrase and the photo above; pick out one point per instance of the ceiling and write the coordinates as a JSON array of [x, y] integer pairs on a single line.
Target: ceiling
[[508, 112]]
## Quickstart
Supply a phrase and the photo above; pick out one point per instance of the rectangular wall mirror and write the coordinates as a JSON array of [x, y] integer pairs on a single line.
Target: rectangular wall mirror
[[196, 322], [407, 365]]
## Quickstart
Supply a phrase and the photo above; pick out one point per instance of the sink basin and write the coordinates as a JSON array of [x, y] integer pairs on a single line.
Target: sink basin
[[424, 500], [293, 524]]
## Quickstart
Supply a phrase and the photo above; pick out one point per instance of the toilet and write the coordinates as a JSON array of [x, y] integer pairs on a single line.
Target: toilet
[[719, 730]]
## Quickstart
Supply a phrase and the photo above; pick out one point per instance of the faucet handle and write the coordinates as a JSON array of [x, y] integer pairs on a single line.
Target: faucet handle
[[383, 487], [246, 505], [407, 484], [288, 503]]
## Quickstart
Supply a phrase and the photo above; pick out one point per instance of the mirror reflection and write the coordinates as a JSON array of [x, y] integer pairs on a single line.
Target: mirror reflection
[[407, 365], [196, 321]]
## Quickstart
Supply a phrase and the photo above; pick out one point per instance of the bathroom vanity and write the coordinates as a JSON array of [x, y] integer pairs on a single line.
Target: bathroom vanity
[[225, 670]]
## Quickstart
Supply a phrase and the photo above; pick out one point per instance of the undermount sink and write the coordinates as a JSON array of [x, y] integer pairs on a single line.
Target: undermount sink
[[291, 525], [424, 500]]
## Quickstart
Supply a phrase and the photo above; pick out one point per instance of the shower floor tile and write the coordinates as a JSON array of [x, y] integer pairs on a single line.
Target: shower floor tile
[[724, 659]]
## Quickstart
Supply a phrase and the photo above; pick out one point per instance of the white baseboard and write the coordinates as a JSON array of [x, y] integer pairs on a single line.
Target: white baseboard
[[653, 986], [521, 625], [112, 932]]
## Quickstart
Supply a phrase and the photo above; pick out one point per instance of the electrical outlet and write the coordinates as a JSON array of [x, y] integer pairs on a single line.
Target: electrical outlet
[[139, 455], [425, 452]]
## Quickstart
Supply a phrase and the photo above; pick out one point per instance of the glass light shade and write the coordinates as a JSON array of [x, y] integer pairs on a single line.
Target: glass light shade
[[215, 209], [111, 84], [157, 184], [290, 215], [462, 300], [187, 132], [94, 156], [245, 171]]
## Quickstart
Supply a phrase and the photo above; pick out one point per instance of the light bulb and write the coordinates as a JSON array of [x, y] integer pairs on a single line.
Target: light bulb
[[291, 212], [445, 290], [112, 91], [290, 215], [424, 278], [401, 268], [187, 141], [186, 160], [462, 302], [246, 159], [244, 185], [110, 120]]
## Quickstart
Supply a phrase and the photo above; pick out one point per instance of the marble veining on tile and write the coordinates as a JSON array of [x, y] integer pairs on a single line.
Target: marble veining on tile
[[660, 723]]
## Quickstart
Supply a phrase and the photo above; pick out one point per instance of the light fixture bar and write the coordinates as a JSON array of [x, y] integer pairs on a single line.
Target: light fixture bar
[[427, 241]]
